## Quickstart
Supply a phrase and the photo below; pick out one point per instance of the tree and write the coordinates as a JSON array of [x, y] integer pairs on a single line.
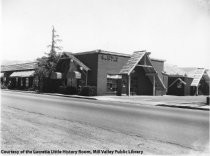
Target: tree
[[46, 65]]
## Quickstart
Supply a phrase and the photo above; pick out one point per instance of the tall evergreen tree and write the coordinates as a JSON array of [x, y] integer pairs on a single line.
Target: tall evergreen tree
[[46, 65]]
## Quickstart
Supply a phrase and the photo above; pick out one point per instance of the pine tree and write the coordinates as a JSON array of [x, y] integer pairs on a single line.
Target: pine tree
[[46, 65]]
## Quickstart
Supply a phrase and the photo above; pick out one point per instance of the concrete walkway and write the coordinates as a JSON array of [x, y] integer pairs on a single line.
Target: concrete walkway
[[190, 102]]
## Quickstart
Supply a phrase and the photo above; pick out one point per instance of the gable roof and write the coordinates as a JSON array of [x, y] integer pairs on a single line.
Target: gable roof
[[70, 55], [18, 67], [132, 62], [197, 75], [191, 72]]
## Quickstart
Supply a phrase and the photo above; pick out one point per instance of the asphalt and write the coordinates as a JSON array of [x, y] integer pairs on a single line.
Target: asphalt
[[188, 129], [183, 102]]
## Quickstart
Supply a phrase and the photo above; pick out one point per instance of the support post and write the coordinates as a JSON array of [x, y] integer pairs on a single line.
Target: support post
[[86, 78], [153, 85], [129, 85], [196, 90]]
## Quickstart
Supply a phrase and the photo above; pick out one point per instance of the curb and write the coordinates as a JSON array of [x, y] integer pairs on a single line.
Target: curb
[[52, 94], [70, 96], [183, 107], [92, 98]]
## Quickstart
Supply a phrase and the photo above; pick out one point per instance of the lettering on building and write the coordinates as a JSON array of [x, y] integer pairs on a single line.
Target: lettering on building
[[111, 58]]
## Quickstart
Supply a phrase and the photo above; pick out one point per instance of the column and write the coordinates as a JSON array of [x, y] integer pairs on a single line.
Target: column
[[129, 85], [153, 85], [196, 90]]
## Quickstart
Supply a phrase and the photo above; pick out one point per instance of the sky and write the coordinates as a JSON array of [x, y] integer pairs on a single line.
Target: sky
[[173, 30]]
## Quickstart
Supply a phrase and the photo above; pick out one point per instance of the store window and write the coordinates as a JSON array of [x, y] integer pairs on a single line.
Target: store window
[[112, 82], [27, 82], [16, 79], [21, 82]]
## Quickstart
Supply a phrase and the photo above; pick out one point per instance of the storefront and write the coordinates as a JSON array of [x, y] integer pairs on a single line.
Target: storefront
[[18, 76], [107, 73], [110, 73], [186, 81]]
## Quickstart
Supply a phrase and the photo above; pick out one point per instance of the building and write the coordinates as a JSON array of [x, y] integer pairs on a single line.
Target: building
[[110, 72], [107, 71], [18, 76], [186, 81]]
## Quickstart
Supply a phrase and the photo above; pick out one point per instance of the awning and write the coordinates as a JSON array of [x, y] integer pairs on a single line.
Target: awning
[[110, 76], [74, 74], [22, 74], [2, 75], [56, 75]]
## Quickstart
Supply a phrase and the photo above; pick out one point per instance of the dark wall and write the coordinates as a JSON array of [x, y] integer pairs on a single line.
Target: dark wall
[[159, 66], [203, 87], [90, 60], [144, 85], [174, 90], [108, 64], [187, 86]]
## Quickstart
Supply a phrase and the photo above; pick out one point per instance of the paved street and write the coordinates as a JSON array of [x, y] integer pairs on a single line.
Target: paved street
[[175, 128]]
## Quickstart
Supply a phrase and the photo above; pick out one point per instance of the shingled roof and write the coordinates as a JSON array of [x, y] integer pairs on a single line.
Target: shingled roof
[[19, 67], [132, 62]]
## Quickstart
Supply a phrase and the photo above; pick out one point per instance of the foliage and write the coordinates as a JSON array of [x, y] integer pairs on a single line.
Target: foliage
[[3, 86], [67, 90], [46, 65], [71, 90], [88, 91]]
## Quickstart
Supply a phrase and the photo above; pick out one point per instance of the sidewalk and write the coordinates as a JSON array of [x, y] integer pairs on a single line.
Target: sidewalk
[[188, 102], [53, 94]]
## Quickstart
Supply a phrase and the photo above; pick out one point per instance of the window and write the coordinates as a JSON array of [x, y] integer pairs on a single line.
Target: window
[[112, 82], [27, 82], [21, 82]]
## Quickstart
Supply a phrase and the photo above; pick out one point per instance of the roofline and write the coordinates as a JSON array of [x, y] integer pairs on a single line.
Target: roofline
[[155, 59], [71, 56], [18, 64], [100, 51]]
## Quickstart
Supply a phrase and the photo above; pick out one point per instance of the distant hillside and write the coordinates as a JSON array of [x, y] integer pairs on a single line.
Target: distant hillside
[[9, 62]]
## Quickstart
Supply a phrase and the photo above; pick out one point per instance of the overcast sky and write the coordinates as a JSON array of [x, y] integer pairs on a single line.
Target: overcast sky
[[175, 30]]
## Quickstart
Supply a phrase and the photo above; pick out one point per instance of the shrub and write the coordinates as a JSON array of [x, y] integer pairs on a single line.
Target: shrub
[[88, 91], [61, 89], [32, 88], [3, 86], [71, 90]]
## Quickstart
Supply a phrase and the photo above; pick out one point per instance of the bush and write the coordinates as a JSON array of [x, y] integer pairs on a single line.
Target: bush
[[61, 89], [71, 90], [32, 88], [88, 91], [3, 86]]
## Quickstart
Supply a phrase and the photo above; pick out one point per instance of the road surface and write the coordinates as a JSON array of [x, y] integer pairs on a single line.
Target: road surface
[[186, 129]]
